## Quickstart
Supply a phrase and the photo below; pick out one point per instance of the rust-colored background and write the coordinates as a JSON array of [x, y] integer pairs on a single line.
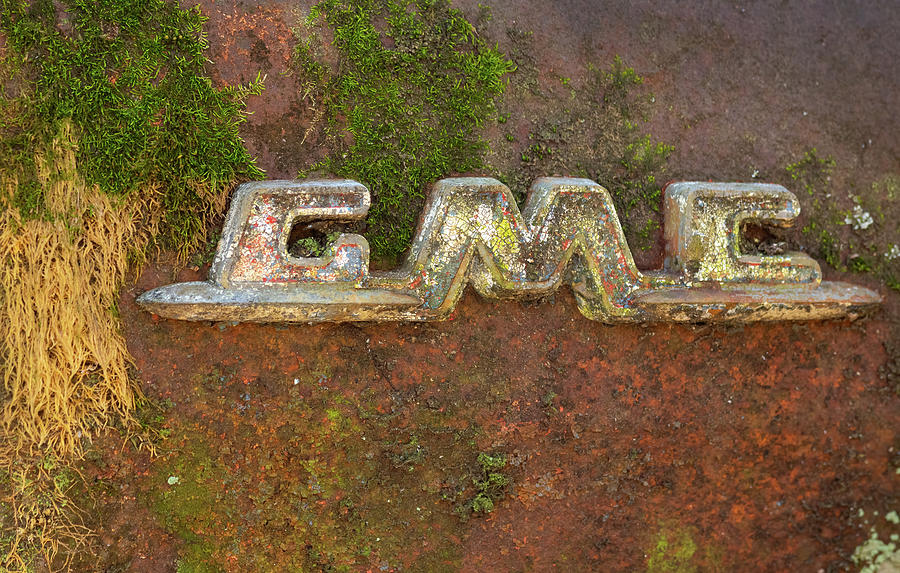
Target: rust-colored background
[[758, 444]]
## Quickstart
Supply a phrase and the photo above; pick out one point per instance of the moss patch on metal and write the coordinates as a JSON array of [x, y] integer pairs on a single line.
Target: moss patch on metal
[[855, 230], [332, 500], [590, 127], [674, 549], [401, 98], [129, 76]]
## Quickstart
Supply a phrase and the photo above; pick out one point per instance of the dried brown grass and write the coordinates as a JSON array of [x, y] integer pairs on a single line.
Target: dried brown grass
[[63, 361], [46, 524]]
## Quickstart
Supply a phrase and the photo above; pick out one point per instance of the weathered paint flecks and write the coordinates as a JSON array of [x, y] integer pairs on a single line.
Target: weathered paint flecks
[[472, 233]]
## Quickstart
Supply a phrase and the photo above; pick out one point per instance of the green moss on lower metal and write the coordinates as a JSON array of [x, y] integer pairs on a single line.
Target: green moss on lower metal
[[333, 499], [674, 549]]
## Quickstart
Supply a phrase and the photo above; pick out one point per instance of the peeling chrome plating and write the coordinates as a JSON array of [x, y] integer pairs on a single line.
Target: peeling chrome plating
[[472, 233]]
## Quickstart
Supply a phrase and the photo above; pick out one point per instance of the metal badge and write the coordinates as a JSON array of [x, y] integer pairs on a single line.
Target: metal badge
[[472, 233]]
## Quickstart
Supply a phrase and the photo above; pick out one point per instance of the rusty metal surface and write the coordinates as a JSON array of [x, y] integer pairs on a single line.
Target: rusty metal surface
[[472, 233], [756, 447]]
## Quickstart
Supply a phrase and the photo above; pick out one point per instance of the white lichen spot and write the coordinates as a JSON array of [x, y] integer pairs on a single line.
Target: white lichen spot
[[875, 554], [859, 219], [893, 253]]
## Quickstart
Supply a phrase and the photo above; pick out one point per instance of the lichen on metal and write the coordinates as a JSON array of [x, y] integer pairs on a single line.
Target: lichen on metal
[[472, 233]]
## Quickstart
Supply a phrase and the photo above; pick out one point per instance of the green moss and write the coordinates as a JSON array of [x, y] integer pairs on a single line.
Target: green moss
[[323, 483], [675, 548], [491, 485], [592, 130], [309, 246], [636, 186], [129, 75], [312, 246], [196, 558], [412, 87], [190, 503], [812, 172], [859, 232], [672, 552], [641, 160], [860, 264]]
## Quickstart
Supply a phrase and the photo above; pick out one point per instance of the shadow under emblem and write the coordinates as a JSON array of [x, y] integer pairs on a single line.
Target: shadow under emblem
[[472, 233]]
